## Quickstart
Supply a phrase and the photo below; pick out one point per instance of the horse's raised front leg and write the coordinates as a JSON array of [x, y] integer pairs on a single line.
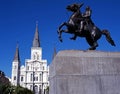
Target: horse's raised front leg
[[60, 31], [59, 36]]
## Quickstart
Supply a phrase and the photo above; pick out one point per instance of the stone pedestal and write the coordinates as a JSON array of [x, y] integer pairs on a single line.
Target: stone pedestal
[[85, 72]]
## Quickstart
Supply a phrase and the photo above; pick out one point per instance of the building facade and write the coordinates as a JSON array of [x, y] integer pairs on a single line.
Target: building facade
[[34, 74]]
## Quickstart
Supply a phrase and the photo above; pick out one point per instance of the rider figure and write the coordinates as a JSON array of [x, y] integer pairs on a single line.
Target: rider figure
[[86, 19]]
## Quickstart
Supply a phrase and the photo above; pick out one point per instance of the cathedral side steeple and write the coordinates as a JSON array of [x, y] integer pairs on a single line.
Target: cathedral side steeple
[[36, 41], [16, 56], [16, 68]]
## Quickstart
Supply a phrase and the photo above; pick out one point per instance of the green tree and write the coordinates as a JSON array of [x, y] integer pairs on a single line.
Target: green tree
[[21, 90], [47, 90], [3, 79], [7, 88], [4, 83]]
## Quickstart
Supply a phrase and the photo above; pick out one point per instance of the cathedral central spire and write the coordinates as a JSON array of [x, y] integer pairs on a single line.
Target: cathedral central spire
[[36, 41]]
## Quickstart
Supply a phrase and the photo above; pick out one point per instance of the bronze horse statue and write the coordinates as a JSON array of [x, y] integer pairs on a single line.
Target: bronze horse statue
[[91, 32]]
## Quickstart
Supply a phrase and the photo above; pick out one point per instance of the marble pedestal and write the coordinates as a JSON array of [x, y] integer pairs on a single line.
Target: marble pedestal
[[85, 72]]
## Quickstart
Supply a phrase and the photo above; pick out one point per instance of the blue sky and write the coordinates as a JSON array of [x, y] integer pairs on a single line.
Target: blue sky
[[18, 21]]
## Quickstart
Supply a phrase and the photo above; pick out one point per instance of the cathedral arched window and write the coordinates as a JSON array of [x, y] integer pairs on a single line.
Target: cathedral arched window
[[43, 68], [40, 78], [36, 78], [27, 67], [15, 66], [34, 56], [14, 77], [37, 57], [36, 89], [40, 89], [31, 77], [31, 87], [21, 78]]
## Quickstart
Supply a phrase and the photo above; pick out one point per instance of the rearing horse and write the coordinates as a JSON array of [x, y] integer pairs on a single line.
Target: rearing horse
[[73, 24]]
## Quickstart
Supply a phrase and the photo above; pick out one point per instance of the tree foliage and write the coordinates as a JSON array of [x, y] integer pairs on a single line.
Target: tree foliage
[[21, 90], [7, 88]]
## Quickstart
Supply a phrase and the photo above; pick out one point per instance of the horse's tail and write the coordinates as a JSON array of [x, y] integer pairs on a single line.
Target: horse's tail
[[108, 37]]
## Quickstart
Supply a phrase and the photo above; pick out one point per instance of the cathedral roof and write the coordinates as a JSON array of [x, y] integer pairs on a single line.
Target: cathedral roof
[[17, 57], [36, 41]]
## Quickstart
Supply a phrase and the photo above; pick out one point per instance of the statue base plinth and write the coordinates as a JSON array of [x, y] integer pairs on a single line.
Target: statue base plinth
[[85, 72]]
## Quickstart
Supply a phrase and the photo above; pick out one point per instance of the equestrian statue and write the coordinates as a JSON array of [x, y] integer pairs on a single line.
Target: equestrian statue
[[81, 25]]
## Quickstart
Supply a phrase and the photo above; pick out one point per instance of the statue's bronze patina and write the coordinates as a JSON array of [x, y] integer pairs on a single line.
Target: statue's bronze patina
[[81, 25]]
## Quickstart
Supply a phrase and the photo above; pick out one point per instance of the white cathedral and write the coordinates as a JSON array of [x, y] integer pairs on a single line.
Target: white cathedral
[[34, 74]]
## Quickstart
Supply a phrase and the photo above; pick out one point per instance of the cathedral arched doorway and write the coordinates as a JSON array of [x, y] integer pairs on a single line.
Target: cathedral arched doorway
[[36, 89]]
